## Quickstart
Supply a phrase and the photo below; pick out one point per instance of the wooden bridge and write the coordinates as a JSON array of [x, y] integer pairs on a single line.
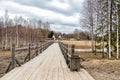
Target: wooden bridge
[[49, 65]]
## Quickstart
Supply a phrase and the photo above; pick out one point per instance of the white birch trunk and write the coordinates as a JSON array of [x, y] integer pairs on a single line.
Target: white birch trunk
[[117, 31], [17, 36], [109, 27], [6, 38]]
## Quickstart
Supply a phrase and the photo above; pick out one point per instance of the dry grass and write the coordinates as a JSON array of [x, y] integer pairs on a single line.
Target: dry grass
[[101, 68], [4, 53], [5, 58], [79, 44], [4, 61]]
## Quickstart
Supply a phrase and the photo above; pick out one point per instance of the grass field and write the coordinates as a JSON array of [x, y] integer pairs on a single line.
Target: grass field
[[101, 68], [79, 44]]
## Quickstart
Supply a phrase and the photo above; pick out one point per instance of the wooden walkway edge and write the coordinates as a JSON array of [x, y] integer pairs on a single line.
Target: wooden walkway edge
[[50, 65]]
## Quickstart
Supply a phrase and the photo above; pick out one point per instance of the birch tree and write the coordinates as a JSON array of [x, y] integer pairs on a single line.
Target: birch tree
[[6, 26], [88, 20], [117, 14], [109, 25]]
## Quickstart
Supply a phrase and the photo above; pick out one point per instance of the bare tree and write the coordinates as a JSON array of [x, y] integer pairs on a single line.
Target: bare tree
[[6, 26], [117, 42], [88, 19], [109, 24]]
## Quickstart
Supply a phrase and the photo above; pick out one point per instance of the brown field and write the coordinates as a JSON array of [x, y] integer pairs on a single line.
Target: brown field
[[4, 61], [79, 44]]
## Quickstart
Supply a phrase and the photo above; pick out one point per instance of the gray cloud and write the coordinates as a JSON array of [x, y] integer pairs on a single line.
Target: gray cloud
[[65, 18], [45, 4]]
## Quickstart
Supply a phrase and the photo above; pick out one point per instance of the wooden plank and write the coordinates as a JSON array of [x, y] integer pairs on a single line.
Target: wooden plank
[[42, 67], [64, 66], [84, 77], [51, 67], [13, 56], [60, 71], [55, 68], [78, 77], [37, 69], [8, 75], [87, 74], [40, 71], [47, 67]]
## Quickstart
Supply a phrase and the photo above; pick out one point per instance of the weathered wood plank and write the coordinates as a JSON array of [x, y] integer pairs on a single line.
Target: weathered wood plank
[[55, 68], [42, 66], [88, 75]]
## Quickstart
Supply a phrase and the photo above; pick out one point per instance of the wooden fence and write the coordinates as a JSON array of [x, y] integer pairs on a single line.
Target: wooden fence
[[39, 47], [72, 60]]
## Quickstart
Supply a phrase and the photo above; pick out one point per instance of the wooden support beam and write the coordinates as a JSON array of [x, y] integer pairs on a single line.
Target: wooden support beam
[[26, 58], [8, 68], [41, 47], [75, 63], [36, 49], [14, 60], [13, 56], [29, 52], [73, 49], [17, 61], [66, 48]]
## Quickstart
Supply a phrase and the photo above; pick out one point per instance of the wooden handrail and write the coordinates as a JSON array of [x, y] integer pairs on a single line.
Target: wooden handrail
[[15, 60], [72, 60]]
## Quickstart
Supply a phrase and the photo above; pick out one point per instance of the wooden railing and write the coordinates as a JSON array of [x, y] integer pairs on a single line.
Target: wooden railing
[[72, 60], [39, 48]]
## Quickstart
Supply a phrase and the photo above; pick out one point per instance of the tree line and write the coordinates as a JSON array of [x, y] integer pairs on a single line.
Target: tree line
[[21, 31], [77, 35], [102, 19]]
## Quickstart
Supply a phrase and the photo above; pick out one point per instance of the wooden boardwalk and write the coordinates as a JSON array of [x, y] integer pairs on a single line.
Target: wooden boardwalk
[[50, 65]]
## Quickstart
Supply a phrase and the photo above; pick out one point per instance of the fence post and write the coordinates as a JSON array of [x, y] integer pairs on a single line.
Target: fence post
[[36, 49], [29, 52], [13, 56], [41, 47], [74, 60], [67, 48], [73, 49]]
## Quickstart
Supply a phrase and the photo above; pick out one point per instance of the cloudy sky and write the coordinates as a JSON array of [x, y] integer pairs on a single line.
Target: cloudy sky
[[63, 15]]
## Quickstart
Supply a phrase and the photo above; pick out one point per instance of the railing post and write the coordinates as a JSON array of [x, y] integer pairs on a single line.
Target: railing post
[[29, 52], [74, 60], [36, 49], [41, 47], [13, 56], [45, 46], [73, 49], [67, 48]]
